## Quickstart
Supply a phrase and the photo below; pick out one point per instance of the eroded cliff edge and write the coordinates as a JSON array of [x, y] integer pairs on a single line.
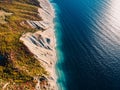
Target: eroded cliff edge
[[42, 43]]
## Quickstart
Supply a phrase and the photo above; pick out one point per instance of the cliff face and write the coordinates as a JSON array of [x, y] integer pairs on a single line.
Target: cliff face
[[42, 42]]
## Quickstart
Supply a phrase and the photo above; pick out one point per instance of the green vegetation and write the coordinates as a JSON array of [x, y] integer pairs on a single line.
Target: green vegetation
[[20, 65]]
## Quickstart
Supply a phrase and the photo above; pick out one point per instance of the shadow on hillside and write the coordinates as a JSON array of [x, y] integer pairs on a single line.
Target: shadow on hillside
[[3, 60]]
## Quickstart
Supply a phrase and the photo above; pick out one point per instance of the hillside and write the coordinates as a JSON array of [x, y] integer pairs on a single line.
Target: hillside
[[18, 67]]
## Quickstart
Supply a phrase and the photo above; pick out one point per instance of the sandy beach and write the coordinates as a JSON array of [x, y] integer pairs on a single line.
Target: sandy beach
[[42, 43]]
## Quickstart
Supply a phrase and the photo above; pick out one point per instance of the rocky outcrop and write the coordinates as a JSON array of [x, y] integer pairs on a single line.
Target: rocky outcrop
[[41, 25], [3, 15]]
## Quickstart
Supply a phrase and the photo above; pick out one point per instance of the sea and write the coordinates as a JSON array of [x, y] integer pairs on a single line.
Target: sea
[[88, 44]]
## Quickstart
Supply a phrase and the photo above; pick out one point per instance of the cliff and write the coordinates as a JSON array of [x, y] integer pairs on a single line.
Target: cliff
[[42, 42]]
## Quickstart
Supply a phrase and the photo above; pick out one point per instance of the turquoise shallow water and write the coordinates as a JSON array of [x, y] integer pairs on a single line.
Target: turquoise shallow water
[[60, 56]]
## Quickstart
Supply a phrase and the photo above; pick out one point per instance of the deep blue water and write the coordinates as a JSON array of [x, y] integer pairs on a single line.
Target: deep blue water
[[90, 43]]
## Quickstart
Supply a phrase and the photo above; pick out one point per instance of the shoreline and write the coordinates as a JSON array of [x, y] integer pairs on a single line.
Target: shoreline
[[37, 43]]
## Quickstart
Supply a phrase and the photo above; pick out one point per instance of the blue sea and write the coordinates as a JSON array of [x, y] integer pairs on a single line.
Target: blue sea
[[88, 44]]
